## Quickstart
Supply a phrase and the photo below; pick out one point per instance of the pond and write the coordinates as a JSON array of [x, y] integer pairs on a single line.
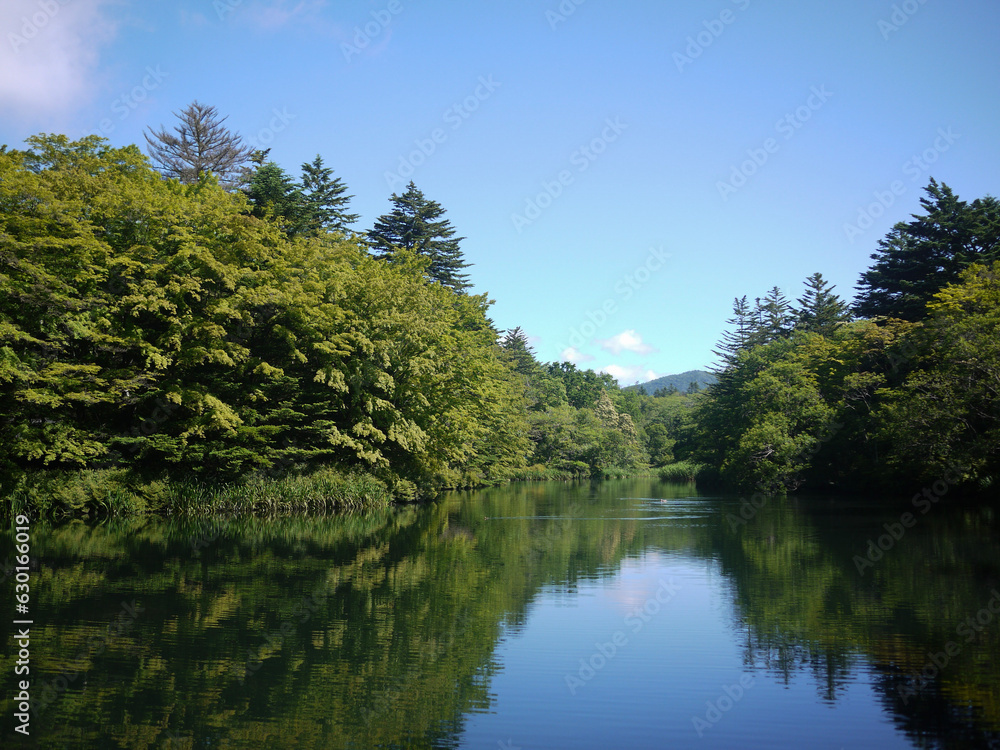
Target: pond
[[621, 614]]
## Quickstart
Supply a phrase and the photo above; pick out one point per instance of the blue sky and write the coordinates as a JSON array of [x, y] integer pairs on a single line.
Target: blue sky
[[620, 170]]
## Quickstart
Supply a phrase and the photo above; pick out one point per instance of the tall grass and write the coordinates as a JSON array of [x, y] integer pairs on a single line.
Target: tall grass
[[681, 471], [116, 493]]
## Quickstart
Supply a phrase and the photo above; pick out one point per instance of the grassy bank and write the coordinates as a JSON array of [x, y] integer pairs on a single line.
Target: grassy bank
[[576, 470], [108, 493], [682, 471]]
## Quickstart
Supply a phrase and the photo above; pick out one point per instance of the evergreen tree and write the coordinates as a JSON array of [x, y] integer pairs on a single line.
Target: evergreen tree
[[738, 338], [325, 202], [820, 310], [515, 343], [918, 258], [774, 317], [202, 145], [415, 224], [273, 194]]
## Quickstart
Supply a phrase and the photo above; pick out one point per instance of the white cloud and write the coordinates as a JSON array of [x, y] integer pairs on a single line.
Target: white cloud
[[570, 354], [626, 341], [627, 375], [47, 54]]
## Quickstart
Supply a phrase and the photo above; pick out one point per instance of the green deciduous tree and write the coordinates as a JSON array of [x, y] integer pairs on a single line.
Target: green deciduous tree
[[945, 417]]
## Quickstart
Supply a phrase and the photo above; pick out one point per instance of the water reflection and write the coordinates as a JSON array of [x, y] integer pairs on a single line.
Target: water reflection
[[457, 624]]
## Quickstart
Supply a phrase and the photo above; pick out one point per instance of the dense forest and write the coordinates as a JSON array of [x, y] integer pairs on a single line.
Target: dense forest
[[198, 317]]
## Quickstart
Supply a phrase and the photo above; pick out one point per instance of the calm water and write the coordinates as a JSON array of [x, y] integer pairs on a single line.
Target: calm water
[[627, 614]]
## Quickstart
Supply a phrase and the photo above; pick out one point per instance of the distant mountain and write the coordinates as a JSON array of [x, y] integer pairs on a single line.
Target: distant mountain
[[680, 382]]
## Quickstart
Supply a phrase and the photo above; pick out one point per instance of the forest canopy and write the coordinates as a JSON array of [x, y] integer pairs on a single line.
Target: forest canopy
[[169, 325]]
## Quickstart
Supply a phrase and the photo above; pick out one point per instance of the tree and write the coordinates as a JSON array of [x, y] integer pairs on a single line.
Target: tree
[[918, 258], [515, 343], [945, 417], [820, 310], [415, 224], [740, 337], [202, 145], [273, 194], [325, 202], [774, 317]]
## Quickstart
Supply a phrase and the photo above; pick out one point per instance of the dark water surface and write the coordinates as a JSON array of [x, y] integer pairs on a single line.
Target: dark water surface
[[628, 614]]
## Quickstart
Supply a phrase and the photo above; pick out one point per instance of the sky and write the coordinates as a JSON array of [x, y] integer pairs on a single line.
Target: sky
[[620, 171]]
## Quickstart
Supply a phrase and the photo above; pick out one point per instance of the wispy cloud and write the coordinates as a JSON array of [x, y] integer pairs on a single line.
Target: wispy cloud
[[626, 341], [627, 375], [570, 354], [280, 13], [47, 54]]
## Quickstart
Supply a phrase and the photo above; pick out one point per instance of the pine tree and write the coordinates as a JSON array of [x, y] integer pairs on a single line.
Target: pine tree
[[326, 204], [273, 194], [916, 259], [415, 224], [202, 145], [774, 317], [738, 338], [820, 310], [515, 343]]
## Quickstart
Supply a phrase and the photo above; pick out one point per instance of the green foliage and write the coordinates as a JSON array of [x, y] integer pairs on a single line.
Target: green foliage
[[275, 196], [865, 406], [683, 472], [164, 327], [918, 258], [820, 310], [946, 414], [415, 225], [325, 200]]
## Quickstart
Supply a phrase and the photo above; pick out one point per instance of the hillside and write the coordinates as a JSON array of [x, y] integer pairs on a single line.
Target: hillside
[[680, 382]]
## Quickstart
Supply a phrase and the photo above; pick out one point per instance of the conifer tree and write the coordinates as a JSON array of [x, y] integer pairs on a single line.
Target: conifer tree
[[415, 224], [740, 336], [918, 258], [273, 194], [820, 310], [325, 199], [515, 343], [202, 145], [774, 317]]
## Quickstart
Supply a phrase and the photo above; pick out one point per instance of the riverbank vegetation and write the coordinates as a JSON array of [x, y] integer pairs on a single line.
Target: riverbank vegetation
[[168, 341]]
